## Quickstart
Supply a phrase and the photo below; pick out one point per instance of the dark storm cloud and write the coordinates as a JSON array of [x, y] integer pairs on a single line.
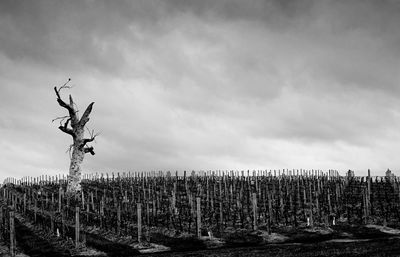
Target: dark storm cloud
[[55, 33], [272, 12], [203, 84]]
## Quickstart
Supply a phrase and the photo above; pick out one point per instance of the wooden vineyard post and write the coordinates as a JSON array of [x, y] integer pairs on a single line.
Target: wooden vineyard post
[[232, 198], [87, 212], [369, 193], [52, 201], [329, 205], [114, 198], [311, 209], [92, 201], [239, 190], [35, 211], [221, 217], [12, 234], [317, 207], [102, 203], [76, 226], [147, 219], [41, 200], [280, 196], [1, 219], [269, 212], [83, 200], [52, 221], [365, 204], [213, 192], [198, 212], [311, 213], [47, 200], [174, 198], [118, 219], [254, 211], [12, 200], [24, 210], [59, 199], [139, 222], [304, 199]]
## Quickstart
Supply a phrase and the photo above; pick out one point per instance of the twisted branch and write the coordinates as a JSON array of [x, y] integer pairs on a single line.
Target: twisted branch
[[70, 107]]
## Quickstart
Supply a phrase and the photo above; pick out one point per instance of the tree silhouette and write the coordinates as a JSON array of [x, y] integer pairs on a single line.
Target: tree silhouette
[[75, 127]]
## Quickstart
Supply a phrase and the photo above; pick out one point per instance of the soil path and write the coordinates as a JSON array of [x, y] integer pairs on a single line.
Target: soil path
[[110, 248], [33, 245], [373, 248]]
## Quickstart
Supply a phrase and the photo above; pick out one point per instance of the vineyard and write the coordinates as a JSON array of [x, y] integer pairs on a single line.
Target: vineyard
[[124, 211]]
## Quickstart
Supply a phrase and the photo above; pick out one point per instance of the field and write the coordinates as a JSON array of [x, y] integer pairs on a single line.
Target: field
[[254, 213]]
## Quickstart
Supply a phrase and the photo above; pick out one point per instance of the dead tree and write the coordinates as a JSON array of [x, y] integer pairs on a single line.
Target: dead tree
[[75, 127]]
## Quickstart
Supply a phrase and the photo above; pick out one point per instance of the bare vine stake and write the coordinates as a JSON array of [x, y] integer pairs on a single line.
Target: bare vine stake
[[83, 199], [198, 209], [139, 222], [365, 209], [147, 215], [63, 223], [77, 226], [1, 218], [35, 211], [52, 221], [220, 204], [329, 202], [369, 192], [255, 211], [269, 212], [87, 212], [311, 210], [12, 234], [317, 205], [24, 203], [118, 219], [59, 198]]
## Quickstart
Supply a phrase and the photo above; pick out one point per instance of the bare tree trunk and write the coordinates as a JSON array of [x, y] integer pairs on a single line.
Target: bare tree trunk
[[76, 128], [74, 178]]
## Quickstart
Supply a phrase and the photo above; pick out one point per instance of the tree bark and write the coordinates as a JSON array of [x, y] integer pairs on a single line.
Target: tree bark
[[79, 148], [74, 178]]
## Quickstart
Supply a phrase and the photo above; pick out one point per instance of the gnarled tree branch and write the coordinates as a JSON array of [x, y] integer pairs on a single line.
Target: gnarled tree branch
[[88, 140], [60, 118], [67, 130], [70, 107], [89, 150], [71, 102], [85, 116]]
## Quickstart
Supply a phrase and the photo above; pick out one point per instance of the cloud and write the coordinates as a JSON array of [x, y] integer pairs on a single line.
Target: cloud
[[202, 84]]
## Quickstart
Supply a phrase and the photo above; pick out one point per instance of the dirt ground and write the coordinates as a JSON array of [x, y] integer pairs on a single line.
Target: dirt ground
[[338, 240], [4, 251], [389, 246], [375, 247]]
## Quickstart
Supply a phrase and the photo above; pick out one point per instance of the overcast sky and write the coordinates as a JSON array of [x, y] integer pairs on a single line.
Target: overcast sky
[[202, 85]]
